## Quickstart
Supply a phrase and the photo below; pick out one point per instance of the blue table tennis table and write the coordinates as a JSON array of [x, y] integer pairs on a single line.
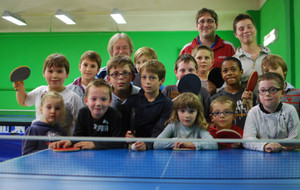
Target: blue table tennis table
[[152, 169]]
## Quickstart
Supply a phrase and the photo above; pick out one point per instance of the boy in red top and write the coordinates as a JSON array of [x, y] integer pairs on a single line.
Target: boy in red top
[[222, 115]]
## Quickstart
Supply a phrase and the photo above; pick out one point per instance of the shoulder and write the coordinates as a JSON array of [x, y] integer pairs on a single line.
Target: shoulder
[[225, 43], [187, 48]]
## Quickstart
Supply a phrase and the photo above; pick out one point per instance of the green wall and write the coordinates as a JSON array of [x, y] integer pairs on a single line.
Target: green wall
[[31, 49]]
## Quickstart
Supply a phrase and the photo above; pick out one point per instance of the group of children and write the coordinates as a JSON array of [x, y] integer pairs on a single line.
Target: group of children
[[115, 107]]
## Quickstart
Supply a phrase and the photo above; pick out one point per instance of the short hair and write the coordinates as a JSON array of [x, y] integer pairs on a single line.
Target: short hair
[[99, 83], [186, 58], [117, 37], [202, 47], [56, 60], [155, 67], [203, 11], [188, 100], [275, 60], [146, 51], [93, 56], [234, 60], [223, 100], [272, 76], [241, 17], [55, 95], [119, 61]]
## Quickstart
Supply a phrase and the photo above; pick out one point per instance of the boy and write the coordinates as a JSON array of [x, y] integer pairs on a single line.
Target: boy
[[276, 64], [98, 119], [142, 55], [271, 119], [231, 70], [186, 64], [151, 108], [222, 115], [55, 71], [120, 75], [205, 58], [89, 65]]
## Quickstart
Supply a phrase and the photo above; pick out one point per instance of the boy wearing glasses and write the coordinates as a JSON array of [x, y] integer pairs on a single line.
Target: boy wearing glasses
[[120, 71], [207, 24], [144, 114], [222, 115], [231, 71], [271, 119]]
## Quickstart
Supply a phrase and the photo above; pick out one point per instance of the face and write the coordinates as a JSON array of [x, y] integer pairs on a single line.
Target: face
[[98, 101], [150, 82], [274, 69], [142, 59], [122, 82], [245, 31], [121, 47], [222, 121], [206, 26], [51, 110], [204, 61], [88, 69], [231, 72], [187, 116], [55, 78], [185, 68], [270, 101]]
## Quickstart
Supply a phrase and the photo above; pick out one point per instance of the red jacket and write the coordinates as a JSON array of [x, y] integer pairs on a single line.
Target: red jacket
[[221, 48]]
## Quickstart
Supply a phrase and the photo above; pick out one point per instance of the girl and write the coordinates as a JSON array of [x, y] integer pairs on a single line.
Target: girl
[[52, 109], [186, 121]]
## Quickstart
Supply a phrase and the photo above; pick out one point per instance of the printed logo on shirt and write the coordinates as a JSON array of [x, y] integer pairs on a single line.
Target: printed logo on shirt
[[222, 57], [53, 134], [102, 127]]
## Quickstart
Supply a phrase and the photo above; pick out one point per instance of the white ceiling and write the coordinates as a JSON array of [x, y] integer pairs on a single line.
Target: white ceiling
[[141, 15]]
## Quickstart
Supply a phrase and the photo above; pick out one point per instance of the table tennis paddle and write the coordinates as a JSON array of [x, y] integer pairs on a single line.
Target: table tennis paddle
[[189, 83], [290, 148], [19, 74], [215, 77], [228, 134], [251, 83], [69, 149]]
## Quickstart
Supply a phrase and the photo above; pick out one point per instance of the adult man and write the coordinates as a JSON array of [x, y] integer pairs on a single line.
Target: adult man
[[207, 24]]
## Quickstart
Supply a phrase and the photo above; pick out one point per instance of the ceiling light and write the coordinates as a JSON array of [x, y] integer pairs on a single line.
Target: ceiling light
[[64, 16], [117, 16], [14, 18], [271, 37]]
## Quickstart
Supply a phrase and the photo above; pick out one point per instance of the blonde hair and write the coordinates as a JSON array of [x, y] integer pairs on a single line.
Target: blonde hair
[[188, 100], [223, 100], [57, 96], [203, 47], [98, 83], [146, 51], [114, 40]]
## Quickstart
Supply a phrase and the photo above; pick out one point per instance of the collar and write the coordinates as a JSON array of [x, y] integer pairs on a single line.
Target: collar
[[77, 82], [265, 111], [198, 39]]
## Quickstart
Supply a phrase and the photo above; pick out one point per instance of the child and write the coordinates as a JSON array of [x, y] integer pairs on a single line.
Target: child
[[222, 115], [142, 55], [90, 63], [120, 71], [205, 59], [231, 70], [53, 111], [98, 119], [276, 64], [186, 64], [150, 107], [271, 119], [186, 121], [55, 71]]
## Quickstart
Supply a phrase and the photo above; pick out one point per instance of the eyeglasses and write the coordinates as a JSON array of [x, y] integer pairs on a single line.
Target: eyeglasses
[[225, 113], [271, 90], [208, 21], [117, 75]]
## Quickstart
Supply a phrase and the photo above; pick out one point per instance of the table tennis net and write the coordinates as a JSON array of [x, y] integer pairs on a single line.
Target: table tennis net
[[150, 164]]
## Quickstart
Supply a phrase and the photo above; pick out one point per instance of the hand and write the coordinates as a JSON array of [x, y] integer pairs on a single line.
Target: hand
[[272, 147], [85, 145], [129, 134], [247, 97], [184, 145], [19, 86], [236, 145], [60, 144], [140, 146]]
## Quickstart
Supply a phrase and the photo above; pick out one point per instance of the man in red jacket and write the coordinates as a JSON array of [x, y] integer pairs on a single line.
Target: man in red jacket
[[207, 24]]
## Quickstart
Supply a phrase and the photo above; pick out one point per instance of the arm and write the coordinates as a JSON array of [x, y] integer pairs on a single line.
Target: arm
[[29, 146], [167, 133], [205, 145], [20, 93]]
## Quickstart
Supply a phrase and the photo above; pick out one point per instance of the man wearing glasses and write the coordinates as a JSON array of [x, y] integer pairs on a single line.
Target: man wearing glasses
[[207, 24]]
